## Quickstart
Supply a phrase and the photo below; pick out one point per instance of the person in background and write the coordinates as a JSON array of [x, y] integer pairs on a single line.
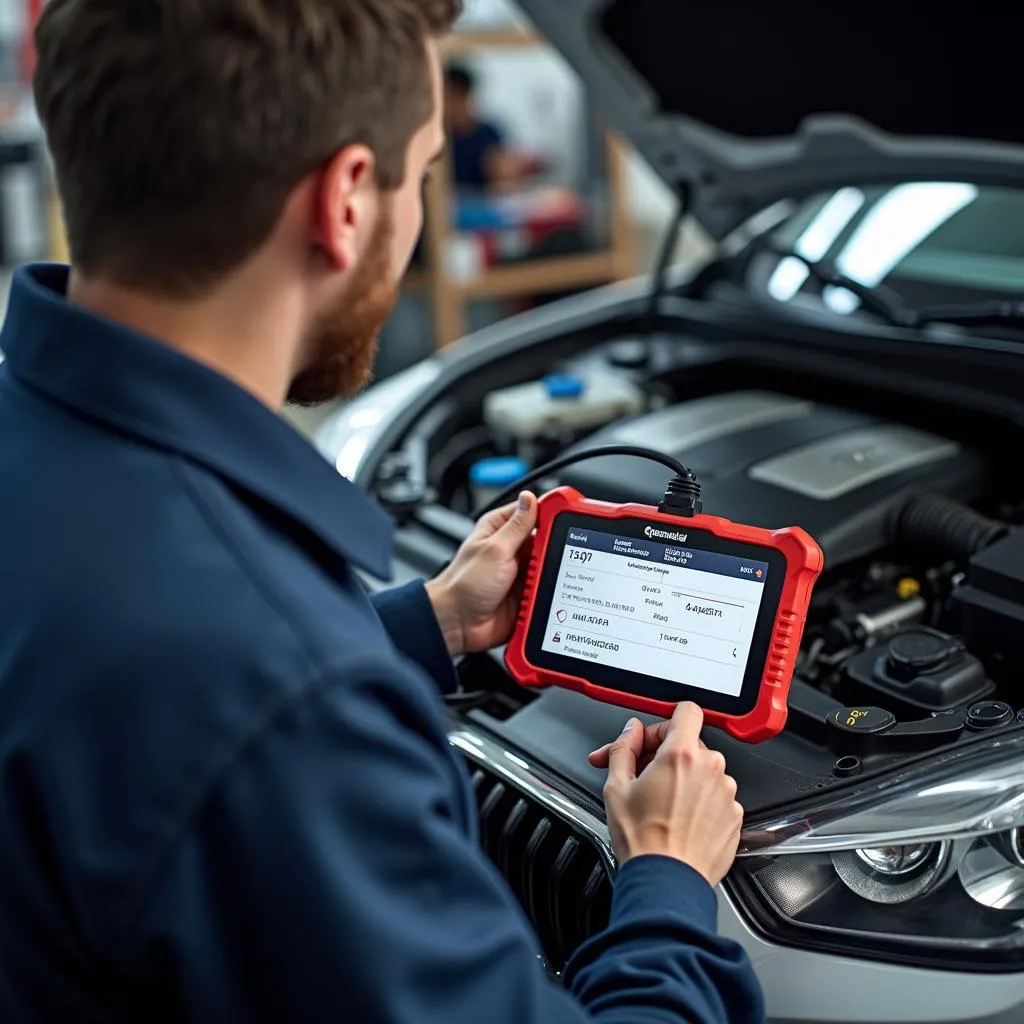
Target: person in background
[[227, 792], [482, 160]]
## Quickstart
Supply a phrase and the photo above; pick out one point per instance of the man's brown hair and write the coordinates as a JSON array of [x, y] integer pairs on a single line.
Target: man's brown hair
[[179, 128]]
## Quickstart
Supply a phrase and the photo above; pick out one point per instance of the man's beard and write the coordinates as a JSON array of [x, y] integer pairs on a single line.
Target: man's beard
[[343, 338]]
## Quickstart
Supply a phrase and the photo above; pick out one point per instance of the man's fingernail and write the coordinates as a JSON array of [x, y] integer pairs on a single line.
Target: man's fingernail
[[629, 725], [524, 502]]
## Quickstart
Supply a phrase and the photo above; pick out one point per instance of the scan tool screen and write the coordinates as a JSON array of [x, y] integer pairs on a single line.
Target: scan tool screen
[[656, 611]]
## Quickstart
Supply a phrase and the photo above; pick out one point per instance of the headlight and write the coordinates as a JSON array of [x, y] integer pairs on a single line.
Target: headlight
[[894, 861], [1017, 845], [894, 874], [992, 873], [927, 868]]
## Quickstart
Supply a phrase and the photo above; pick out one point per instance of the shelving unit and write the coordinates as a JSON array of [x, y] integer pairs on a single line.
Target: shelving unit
[[449, 295]]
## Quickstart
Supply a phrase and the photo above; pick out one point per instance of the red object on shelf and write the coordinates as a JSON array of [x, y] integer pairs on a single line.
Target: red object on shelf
[[33, 9], [534, 214]]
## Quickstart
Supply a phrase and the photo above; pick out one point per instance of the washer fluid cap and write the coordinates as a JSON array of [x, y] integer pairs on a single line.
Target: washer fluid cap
[[502, 471], [563, 385]]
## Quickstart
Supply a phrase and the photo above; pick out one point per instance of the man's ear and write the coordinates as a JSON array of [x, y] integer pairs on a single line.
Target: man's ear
[[346, 206]]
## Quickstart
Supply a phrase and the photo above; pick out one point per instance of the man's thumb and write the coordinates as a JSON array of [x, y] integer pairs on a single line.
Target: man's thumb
[[623, 753], [521, 522]]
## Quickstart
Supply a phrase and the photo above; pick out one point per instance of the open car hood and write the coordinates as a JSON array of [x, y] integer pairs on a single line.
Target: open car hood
[[751, 104]]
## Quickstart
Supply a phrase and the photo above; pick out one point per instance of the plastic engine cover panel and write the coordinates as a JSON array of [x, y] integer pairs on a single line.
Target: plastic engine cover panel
[[769, 460]]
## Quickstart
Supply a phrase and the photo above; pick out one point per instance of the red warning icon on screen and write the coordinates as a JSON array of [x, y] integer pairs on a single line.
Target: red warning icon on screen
[[557, 638]]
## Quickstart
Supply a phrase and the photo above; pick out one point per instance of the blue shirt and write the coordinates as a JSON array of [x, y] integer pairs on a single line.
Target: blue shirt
[[226, 791], [469, 155]]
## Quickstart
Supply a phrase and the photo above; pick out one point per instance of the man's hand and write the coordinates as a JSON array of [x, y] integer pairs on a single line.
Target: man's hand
[[668, 794], [476, 598]]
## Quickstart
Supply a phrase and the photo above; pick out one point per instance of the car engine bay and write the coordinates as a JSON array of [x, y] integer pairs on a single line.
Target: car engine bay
[[910, 645]]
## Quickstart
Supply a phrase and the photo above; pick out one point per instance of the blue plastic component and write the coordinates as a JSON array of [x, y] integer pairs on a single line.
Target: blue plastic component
[[502, 471], [563, 385]]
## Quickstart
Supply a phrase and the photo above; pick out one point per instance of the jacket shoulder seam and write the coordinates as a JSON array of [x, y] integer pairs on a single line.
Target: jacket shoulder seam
[[249, 566]]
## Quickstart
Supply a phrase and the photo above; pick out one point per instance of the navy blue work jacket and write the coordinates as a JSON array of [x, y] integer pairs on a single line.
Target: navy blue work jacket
[[226, 791]]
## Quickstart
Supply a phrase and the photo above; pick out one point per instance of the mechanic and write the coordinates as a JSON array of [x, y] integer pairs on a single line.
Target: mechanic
[[481, 158], [226, 791]]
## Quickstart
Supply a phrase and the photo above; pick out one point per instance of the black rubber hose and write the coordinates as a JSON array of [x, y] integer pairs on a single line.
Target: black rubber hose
[[944, 528]]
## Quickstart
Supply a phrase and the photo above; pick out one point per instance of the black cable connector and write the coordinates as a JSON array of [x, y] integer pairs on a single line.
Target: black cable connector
[[682, 496]]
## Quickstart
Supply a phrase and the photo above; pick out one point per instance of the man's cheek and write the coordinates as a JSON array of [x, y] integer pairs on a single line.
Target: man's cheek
[[405, 244]]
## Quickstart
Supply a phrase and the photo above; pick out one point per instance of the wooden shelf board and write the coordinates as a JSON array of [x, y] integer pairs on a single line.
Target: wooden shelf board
[[533, 277], [464, 42], [539, 276]]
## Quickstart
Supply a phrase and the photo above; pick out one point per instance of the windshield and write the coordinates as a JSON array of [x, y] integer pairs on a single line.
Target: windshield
[[925, 242]]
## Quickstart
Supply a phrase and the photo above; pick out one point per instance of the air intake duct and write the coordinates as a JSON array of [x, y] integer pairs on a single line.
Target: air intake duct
[[938, 527]]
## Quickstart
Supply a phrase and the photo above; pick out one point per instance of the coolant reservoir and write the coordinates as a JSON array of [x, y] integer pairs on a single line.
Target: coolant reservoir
[[489, 477], [564, 405]]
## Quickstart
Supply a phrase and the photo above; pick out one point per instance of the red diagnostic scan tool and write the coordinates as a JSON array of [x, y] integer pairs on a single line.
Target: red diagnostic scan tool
[[644, 609]]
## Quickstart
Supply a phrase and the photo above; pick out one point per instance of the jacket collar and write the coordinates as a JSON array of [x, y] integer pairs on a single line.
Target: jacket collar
[[142, 387]]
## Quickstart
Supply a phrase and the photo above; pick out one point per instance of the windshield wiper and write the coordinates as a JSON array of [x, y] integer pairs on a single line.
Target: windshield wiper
[[994, 313], [887, 306], [875, 300]]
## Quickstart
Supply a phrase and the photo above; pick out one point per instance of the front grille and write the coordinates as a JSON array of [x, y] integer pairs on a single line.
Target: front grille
[[556, 871]]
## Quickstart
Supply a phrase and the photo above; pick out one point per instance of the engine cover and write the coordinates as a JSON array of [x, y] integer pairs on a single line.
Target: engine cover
[[769, 460]]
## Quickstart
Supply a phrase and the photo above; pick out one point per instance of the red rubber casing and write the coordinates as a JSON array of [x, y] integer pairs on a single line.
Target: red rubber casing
[[804, 562]]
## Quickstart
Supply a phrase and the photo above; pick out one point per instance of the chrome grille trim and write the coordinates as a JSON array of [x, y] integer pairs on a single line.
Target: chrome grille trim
[[480, 749]]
